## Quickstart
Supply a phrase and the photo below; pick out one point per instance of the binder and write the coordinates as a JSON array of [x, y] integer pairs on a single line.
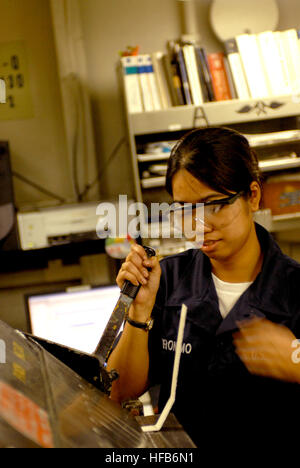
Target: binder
[[273, 64], [253, 65], [237, 70], [145, 84], [192, 73], [161, 79], [132, 84], [290, 43], [152, 81]]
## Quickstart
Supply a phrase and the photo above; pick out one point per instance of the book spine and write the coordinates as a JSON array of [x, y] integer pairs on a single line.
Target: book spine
[[145, 84], [192, 72], [204, 89], [237, 70], [253, 65], [132, 84], [152, 82], [219, 76], [292, 53], [204, 73], [183, 74], [230, 79], [283, 60], [162, 84], [173, 74], [272, 62]]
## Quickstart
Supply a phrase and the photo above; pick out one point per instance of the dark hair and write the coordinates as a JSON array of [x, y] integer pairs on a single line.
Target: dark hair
[[217, 156]]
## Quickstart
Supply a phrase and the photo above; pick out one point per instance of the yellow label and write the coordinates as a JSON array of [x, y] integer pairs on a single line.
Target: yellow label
[[19, 372], [18, 351]]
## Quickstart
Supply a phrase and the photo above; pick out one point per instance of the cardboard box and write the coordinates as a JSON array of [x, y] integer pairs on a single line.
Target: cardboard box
[[281, 194]]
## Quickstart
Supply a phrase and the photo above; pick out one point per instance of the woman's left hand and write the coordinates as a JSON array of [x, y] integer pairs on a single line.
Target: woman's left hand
[[268, 349]]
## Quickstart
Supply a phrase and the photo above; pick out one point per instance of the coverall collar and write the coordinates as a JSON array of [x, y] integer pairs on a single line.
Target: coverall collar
[[197, 287]]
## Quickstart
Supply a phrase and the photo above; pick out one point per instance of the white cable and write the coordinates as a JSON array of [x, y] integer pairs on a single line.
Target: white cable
[[157, 427]]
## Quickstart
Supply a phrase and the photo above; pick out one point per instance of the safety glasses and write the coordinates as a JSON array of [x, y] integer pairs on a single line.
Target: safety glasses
[[191, 218]]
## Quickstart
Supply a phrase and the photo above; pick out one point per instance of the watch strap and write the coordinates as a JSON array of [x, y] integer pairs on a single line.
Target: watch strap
[[142, 325]]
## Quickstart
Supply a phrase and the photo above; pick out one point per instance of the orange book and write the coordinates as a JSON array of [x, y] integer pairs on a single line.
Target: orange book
[[219, 76]]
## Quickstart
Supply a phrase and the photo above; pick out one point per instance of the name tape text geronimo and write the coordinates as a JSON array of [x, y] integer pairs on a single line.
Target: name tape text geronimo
[[170, 345]]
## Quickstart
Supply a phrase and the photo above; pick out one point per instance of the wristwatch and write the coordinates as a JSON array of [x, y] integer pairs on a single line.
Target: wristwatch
[[143, 325]]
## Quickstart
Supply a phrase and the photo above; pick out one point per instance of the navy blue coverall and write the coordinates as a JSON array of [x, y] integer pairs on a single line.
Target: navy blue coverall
[[215, 392]]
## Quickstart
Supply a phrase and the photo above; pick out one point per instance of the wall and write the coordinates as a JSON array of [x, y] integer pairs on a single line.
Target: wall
[[110, 26], [38, 145], [38, 148], [289, 11]]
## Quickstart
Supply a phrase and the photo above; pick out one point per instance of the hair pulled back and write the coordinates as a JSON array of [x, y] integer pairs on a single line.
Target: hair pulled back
[[217, 156]]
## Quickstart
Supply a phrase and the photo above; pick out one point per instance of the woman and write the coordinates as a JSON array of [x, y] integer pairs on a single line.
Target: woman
[[241, 293]]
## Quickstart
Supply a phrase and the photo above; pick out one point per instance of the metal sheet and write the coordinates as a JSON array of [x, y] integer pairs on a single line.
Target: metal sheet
[[45, 402]]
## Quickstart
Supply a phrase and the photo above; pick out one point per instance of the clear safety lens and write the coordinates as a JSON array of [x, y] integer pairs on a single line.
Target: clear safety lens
[[220, 216], [187, 220], [192, 220]]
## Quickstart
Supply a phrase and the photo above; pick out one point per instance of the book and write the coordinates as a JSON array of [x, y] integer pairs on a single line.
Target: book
[[161, 79], [253, 65], [183, 73], [156, 101], [192, 73], [273, 63], [204, 74], [230, 78], [283, 60], [145, 83], [173, 75], [290, 43], [237, 70], [132, 84], [219, 77]]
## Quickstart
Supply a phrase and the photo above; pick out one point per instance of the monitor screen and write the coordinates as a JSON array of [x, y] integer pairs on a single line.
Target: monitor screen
[[76, 319]]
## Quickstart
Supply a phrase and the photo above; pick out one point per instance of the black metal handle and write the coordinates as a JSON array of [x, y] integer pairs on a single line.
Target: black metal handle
[[130, 289]]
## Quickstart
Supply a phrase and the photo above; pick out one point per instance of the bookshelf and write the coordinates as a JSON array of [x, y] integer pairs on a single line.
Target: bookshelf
[[169, 124], [272, 125], [214, 113]]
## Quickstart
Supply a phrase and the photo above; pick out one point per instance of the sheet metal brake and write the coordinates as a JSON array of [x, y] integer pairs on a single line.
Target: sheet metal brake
[[51, 396], [45, 403]]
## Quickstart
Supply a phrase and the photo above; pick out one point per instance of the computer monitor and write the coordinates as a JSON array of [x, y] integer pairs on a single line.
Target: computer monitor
[[73, 318]]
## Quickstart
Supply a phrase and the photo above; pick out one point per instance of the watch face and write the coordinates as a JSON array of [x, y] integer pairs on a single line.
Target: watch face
[[150, 324]]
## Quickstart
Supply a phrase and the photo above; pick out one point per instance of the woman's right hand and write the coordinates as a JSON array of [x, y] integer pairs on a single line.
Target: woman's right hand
[[135, 269]]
